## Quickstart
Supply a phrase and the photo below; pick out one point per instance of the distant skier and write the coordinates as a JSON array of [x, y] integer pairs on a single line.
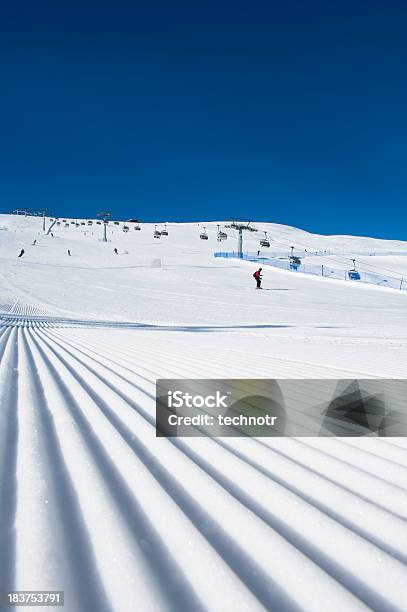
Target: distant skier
[[21, 253], [69, 252], [258, 253], [257, 276], [34, 243], [116, 251]]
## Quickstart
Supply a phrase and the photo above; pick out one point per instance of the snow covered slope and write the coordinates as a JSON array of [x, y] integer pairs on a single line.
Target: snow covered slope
[[94, 504]]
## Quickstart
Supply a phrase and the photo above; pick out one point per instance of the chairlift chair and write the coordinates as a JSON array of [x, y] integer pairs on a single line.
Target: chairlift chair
[[137, 227], [353, 274], [203, 235], [264, 242], [164, 232], [295, 262], [221, 235], [156, 234], [126, 228]]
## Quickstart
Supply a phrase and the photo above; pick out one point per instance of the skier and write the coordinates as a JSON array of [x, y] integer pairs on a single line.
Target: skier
[[69, 252], [116, 251], [257, 276], [258, 253], [34, 243], [21, 253]]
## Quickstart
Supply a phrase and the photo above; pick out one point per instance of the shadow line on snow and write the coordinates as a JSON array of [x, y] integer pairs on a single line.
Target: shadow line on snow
[[269, 593], [8, 482], [163, 566], [77, 544]]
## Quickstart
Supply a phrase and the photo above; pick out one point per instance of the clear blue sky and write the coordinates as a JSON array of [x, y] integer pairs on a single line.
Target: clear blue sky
[[292, 112]]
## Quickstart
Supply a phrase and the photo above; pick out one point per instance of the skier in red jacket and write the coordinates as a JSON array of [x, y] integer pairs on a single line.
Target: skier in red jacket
[[257, 276]]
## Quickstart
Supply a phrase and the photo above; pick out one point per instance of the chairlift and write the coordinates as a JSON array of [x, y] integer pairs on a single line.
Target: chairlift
[[98, 223], [295, 262], [164, 232], [156, 234], [116, 222], [58, 223], [137, 227], [264, 242], [203, 235], [126, 228], [353, 274], [221, 235], [90, 222]]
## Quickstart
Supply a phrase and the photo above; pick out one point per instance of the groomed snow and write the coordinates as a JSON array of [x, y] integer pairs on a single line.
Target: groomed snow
[[94, 504]]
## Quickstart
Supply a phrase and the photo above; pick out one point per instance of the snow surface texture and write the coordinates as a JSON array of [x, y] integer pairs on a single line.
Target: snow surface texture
[[94, 504]]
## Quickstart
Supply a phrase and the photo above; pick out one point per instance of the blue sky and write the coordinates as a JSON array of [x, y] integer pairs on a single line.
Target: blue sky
[[288, 112]]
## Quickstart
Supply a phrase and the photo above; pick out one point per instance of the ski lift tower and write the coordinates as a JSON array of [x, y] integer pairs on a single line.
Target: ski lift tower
[[105, 216], [43, 211], [241, 227]]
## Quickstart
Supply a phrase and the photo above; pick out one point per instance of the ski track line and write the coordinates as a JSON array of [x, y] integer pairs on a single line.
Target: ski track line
[[252, 524], [167, 545], [95, 488], [356, 589], [218, 368], [109, 500], [8, 459], [41, 468]]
